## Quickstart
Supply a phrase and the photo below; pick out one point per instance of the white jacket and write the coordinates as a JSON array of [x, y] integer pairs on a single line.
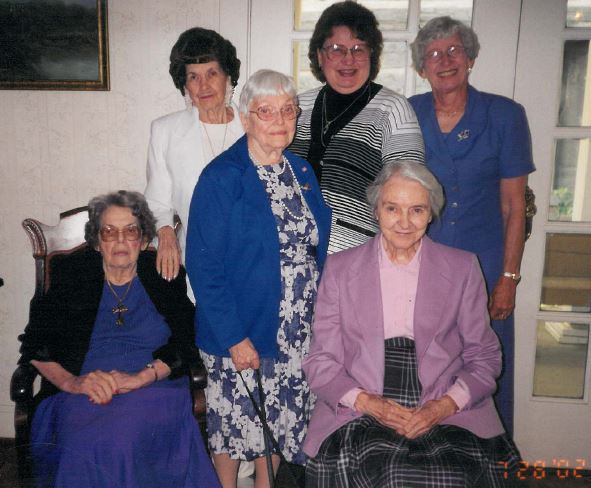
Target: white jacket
[[175, 161]]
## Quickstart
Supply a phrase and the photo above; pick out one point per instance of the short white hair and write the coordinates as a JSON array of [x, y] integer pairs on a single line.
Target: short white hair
[[409, 170], [264, 83]]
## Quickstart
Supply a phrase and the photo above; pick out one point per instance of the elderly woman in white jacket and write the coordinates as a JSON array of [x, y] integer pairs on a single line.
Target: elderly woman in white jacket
[[204, 67]]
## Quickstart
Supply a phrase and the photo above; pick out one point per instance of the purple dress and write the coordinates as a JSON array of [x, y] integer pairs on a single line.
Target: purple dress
[[144, 438]]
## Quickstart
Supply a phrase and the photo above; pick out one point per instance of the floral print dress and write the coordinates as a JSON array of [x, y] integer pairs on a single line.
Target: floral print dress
[[233, 426]]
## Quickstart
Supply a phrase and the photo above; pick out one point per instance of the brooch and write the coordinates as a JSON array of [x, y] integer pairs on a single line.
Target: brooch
[[463, 135]]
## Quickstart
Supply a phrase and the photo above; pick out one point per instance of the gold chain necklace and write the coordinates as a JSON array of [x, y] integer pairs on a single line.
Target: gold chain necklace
[[120, 308], [451, 113], [326, 122], [225, 122]]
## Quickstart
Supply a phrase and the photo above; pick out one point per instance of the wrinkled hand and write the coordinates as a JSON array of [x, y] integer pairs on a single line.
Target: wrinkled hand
[[168, 258], [502, 300], [99, 386], [244, 355], [127, 382], [385, 411], [428, 416]]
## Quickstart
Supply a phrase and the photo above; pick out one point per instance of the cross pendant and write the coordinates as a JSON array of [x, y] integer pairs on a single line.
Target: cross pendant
[[119, 310]]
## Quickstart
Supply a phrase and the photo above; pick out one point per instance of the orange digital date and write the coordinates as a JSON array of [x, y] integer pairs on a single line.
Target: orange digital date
[[540, 469]]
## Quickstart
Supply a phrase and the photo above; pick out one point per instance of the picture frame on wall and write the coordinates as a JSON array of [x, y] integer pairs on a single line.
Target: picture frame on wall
[[54, 45]]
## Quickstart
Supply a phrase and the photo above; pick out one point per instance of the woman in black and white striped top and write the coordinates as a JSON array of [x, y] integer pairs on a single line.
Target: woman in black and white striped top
[[351, 126]]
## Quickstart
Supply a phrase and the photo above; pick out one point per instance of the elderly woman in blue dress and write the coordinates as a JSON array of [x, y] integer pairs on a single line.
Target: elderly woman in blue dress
[[112, 341], [257, 239], [478, 146]]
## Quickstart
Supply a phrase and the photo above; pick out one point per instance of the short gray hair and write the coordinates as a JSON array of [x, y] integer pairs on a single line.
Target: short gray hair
[[127, 199], [442, 28], [409, 170], [265, 83]]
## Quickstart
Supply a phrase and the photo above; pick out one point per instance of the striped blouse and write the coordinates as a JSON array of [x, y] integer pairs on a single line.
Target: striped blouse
[[385, 130]]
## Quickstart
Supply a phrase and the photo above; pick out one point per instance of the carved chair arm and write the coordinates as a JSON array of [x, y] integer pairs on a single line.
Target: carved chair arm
[[21, 384]]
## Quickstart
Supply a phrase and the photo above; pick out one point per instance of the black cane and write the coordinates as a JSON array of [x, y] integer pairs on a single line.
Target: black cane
[[265, 436]]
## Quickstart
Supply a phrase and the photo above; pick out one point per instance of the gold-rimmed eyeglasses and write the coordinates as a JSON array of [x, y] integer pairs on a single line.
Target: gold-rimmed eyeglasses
[[109, 233], [267, 113], [436, 55], [336, 52]]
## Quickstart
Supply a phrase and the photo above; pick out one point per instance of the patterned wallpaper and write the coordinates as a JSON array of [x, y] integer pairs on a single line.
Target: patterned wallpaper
[[59, 149]]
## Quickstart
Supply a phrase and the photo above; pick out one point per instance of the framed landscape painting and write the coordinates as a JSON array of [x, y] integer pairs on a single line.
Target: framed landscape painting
[[54, 45]]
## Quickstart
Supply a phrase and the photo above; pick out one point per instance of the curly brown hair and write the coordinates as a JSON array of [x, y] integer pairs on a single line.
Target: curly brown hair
[[127, 199], [362, 23]]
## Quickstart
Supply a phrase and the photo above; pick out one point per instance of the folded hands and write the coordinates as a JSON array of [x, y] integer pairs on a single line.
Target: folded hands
[[409, 422]]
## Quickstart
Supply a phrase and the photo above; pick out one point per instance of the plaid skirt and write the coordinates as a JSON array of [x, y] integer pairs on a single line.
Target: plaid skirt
[[364, 453]]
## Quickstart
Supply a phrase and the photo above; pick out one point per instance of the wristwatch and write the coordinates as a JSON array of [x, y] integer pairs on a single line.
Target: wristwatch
[[516, 277]]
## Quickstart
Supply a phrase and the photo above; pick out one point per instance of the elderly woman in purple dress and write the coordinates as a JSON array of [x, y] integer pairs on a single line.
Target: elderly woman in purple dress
[[112, 340]]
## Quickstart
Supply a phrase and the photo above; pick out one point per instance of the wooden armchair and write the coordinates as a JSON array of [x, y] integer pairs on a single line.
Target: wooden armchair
[[47, 242]]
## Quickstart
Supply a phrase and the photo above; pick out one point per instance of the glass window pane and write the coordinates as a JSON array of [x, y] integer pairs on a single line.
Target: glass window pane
[[566, 284], [575, 96], [571, 187], [578, 13], [391, 14], [392, 71], [561, 359], [458, 9], [302, 74], [393, 67], [306, 13]]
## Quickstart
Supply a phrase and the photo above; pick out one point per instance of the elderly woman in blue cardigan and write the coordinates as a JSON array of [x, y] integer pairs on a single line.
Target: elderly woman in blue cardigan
[[257, 240]]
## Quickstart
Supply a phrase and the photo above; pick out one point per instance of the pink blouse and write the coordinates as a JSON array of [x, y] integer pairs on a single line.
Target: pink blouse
[[399, 291]]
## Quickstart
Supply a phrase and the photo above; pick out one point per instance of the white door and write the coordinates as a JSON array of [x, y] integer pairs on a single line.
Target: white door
[[553, 82]]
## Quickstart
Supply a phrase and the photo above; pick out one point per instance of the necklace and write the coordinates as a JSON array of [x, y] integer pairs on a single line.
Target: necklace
[[326, 122], [452, 113], [298, 191], [223, 140], [257, 163], [296, 184], [120, 308]]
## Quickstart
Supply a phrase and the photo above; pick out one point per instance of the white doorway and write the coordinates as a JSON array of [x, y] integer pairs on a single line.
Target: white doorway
[[553, 426]]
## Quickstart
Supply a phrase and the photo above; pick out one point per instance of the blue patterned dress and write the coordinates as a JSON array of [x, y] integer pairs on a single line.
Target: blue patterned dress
[[231, 420]]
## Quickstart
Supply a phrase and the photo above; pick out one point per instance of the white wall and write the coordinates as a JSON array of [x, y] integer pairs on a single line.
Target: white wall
[[58, 149]]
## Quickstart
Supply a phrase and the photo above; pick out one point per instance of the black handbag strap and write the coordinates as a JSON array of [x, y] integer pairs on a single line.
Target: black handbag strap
[[262, 418]]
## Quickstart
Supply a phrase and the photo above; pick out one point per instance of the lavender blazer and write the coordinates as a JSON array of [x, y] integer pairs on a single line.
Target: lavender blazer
[[453, 337]]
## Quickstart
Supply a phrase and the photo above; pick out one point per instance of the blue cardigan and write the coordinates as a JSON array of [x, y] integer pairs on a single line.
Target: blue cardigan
[[233, 251]]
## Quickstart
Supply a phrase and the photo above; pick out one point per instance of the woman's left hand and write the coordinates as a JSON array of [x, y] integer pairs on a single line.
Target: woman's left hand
[[502, 299], [428, 416]]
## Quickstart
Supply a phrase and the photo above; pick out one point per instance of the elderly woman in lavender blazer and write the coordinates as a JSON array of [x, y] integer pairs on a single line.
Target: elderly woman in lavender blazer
[[403, 360]]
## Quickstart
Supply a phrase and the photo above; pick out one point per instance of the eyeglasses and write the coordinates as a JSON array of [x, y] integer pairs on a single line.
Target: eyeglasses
[[267, 113], [336, 52], [109, 233], [436, 55]]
